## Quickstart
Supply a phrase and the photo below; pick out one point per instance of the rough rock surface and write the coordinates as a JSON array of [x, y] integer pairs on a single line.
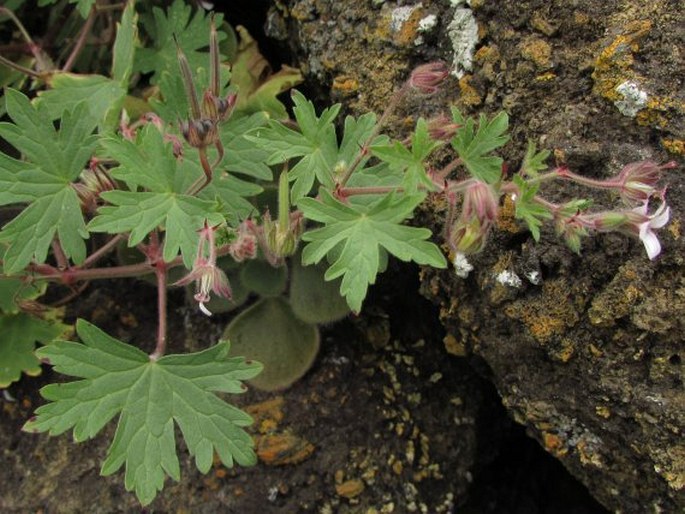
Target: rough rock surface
[[587, 354]]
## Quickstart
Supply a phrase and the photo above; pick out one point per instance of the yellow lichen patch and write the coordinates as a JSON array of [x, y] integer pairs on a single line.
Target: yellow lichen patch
[[552, 312], [614, 64], [537, 51], [281, 449], [546, 77], [674, 229], [453, 346], [469, 96], [267, 414], [554, 444], [674, 146], [619, 297], [344, 85], [506, 219], [603, 411]]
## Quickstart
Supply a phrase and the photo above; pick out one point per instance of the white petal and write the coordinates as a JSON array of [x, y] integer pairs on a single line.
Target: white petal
[[204, 309], [651, 243], [660, 217]]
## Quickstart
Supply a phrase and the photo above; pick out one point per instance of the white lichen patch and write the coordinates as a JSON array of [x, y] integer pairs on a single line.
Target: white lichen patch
[[462, 267], [534, 277], [634, 98], [428, 23], [509, 278], [400, 15], [463, 35]]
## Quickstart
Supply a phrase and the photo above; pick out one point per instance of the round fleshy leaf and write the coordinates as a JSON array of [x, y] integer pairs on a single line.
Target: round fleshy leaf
[[262, 278], [314, 299], [270, 333]]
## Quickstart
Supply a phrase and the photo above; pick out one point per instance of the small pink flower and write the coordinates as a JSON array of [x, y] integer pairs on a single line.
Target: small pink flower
[[635, 222], [207, 276]]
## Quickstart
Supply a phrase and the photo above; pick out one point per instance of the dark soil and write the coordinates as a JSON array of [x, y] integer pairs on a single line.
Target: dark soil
[[396, 427]]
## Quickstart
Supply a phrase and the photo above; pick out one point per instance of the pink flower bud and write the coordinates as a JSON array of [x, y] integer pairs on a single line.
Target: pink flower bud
[[480, 201], [442, 128], [426, 78], [638, 180]]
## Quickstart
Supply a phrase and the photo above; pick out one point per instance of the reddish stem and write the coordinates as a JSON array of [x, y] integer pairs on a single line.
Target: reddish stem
[[81, 41], [161, 274]]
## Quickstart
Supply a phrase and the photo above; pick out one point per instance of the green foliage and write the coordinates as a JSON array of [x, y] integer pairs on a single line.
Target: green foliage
[[263, 278], [163, 204], [53, 159], [312, 298], [316, 145], [362, 232], [534, 162], [150, 397], [83, 6], [191, 32], [270, 332], [410, 164], [532, 213], [19, 330], [474, 146]]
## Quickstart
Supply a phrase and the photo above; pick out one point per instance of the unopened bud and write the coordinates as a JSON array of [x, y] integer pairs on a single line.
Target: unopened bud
[[199, 133], [442, 128], [426, 78], [638, 180]]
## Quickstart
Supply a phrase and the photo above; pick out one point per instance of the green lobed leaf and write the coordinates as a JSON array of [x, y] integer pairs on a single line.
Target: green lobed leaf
[[534, 161], [474, 146], [363, 232], [105, 97], [125, 45], [410, 163], [181, 217], [531, 212], [149, 397], [18, 335], [191, 32], [316, 145], [53, 159]]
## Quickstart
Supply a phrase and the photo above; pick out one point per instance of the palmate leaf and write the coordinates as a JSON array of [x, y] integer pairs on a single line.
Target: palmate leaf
[[105, 96], [149, 162], [410, 163], [18, 335], [316, 145], [532, 213], [149, 397], [363, 232], [192, 34], [474, 146], [53, 159]]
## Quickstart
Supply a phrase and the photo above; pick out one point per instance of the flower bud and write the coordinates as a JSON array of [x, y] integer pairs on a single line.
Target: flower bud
[[442, 128], [426, 78], [638, 180]]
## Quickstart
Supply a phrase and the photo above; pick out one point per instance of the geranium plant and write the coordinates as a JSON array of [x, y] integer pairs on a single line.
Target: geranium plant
[[171, 152]]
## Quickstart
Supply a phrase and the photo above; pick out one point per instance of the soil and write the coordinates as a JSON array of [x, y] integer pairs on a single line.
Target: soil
[[385, 420]]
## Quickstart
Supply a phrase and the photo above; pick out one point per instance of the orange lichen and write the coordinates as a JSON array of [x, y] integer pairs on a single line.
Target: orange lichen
[[614, 64], [283, 448], [345, 85], [554, 444], [674, 146], [538, 51], [551, 313], [469, 95]]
